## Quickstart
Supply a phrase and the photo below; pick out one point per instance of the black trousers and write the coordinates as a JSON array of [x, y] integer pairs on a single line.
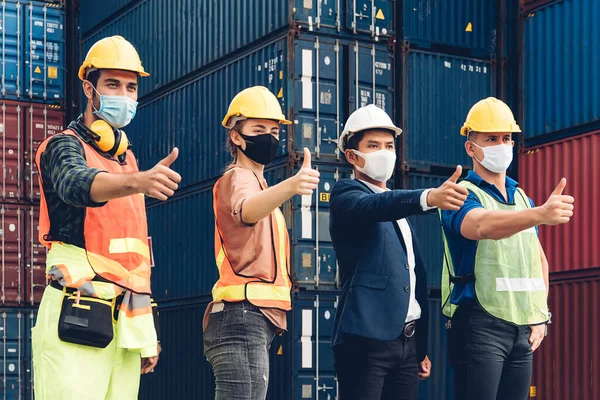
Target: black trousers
[[491, 358], [370, 369]]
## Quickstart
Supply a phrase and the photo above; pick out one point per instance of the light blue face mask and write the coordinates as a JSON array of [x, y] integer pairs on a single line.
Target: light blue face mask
[[118, 111]]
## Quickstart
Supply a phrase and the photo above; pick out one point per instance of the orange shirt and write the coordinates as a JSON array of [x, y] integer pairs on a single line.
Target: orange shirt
[[249, 247]]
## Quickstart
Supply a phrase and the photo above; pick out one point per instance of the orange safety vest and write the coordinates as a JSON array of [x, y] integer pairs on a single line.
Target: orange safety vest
[[116, 235], [234, 288]]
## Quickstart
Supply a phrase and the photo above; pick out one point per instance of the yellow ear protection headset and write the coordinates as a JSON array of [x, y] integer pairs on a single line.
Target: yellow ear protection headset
[[106, 138]]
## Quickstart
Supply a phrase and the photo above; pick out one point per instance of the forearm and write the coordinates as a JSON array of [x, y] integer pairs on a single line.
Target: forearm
[[107, 186], [261, 204], [497, 225], [380, 207]]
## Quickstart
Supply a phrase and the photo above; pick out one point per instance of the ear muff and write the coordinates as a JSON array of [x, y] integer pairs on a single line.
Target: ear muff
[[109, 140]]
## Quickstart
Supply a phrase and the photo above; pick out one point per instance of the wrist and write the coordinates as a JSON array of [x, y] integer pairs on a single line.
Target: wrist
[[538, 216], [430, 198]]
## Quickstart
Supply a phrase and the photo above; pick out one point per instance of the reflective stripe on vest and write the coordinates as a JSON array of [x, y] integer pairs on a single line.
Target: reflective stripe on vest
[[232, 287], [116, 235], [509, 281]]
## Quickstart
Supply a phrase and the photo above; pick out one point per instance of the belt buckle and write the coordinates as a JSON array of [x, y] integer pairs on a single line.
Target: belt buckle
[[409, 329]]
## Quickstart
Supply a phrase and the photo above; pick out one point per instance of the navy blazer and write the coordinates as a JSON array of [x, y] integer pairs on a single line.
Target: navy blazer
[[373, 264]]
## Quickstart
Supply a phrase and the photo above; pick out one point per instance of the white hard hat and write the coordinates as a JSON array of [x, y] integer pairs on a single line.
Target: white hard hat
[[367, 117]]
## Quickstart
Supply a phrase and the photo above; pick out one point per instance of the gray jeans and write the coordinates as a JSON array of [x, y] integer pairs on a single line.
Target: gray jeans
[[236, 343]]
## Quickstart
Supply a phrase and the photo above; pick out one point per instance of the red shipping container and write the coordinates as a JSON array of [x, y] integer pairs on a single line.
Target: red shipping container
[[35, 271], [12, 219], [566, 365], [574, 245], [11, 146], [41, 121]]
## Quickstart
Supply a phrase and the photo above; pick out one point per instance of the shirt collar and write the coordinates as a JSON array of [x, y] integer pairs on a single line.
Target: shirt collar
[[479, 181], [374, 188]]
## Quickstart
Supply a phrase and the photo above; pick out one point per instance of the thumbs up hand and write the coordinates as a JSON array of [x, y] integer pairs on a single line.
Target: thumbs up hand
[[558, 209], [161, 181], [449, 196], [307, 179]]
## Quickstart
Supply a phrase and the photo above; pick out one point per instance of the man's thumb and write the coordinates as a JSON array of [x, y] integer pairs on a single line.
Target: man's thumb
[[456, 175], [170, 159], [561, 187], [307, 162]]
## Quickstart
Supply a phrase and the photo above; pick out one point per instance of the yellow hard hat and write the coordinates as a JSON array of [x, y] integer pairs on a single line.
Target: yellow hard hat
[[255, 102], [112, 53], [490, 115]]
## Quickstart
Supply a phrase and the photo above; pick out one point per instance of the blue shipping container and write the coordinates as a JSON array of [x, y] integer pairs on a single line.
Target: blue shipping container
[[15, 348], [195, 34], [468, 24], [561, 76], [32, 50], [182, 231], [438, 91], [307, 75], [427, 229], [11, 29], [44, 52]]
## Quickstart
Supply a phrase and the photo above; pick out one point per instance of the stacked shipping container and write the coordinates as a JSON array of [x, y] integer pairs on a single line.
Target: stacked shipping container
[[561, 117], [31, 97], [322, 60]]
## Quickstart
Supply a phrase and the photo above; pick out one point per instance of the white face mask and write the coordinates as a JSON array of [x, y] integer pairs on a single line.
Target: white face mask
[[496, 158], [379, 165]]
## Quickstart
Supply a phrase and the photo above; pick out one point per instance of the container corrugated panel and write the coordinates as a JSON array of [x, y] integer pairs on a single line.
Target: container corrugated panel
[[41, 121], [11, 133], [176, 38], [35, 259], [438, 92], [182, 372], [566, 364], [14, 338], [573, 245], [12, 239], [440, 385], [94, 12], [11, 29], [560, 68], [182, 232], [307, 75], [468, 24], [428, 231]]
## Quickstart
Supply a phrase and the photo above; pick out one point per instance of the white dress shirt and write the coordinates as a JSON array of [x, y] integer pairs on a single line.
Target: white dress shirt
[[414, 309]]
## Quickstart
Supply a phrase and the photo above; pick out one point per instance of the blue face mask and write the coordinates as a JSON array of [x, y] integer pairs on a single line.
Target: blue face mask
[[118, 111]]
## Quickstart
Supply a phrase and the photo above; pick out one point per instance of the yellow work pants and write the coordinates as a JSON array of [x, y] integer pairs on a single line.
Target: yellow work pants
[[70, 371]]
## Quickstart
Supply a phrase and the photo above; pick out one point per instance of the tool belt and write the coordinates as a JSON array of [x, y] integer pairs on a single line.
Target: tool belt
[[86, 320]]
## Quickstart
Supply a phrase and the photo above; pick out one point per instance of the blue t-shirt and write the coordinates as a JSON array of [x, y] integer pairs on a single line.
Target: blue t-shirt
[[462, 250]]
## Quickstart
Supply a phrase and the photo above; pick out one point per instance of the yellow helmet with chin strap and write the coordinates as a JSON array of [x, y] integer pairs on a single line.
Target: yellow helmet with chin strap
[[490, 115], [255, 102]]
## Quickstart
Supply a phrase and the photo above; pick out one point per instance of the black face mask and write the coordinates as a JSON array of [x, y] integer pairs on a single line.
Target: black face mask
[[261, 149]]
